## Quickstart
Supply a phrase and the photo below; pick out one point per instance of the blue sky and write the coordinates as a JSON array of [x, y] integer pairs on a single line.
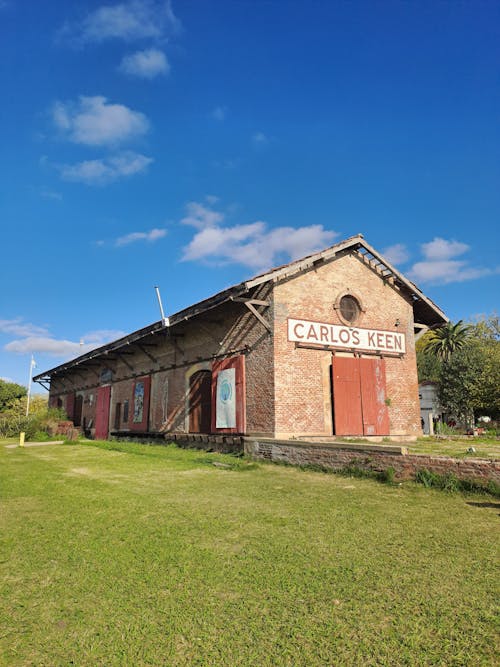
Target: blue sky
[[193, 144]]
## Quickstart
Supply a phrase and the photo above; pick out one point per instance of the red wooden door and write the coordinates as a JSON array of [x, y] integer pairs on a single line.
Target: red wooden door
[[70, 405], [373, 396], [102, 412], [140, 404], [347, 396], [359, 395], [238, 363], [77, 415], [200, 402]]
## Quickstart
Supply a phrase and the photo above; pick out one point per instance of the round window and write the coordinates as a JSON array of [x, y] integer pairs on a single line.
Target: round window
[[349, 308]]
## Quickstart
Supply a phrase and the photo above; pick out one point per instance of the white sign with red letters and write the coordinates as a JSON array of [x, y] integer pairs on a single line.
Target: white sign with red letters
[[350, 338]]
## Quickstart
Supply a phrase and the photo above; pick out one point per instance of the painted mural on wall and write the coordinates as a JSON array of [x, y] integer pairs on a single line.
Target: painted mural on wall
[[138, 402], [226, 399], [106, 376]]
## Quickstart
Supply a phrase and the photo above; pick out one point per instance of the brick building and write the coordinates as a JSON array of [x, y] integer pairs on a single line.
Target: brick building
[[321, 347]]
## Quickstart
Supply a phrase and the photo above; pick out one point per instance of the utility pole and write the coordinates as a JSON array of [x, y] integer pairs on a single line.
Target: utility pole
[[164, 320], [32, 364]]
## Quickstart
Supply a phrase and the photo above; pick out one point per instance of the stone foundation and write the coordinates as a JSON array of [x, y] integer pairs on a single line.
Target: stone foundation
[[372, 458]]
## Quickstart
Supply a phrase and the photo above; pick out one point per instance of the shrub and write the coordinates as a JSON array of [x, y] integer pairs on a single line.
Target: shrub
[[14, 420], [451, 483]]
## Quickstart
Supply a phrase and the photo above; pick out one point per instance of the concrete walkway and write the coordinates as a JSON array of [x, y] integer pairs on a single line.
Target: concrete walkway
[[35, 444]]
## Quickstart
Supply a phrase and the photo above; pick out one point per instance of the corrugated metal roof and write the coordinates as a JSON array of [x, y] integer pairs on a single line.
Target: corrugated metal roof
[[426, 311]]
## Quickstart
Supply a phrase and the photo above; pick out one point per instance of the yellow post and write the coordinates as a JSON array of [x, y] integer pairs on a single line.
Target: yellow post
[[21, 439]]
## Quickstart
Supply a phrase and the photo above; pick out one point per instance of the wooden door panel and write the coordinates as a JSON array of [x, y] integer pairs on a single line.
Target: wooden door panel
[[347, 396], [102, 412], [238, 363], [200, 402], [373, 396], [140, 404], [70, 405]]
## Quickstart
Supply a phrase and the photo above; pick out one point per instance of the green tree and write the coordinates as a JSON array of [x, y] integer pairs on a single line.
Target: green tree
[[458, 386], [10, 392], [428, 365], [485, 336], [448, 339], [469, 382]]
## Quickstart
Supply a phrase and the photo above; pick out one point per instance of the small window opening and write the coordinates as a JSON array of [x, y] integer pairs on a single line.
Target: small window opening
[[118, 410], [349, 308], [125, 412]]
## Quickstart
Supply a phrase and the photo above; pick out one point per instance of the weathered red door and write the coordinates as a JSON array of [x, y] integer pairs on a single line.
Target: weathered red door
[[140, 404], [359, 395], [70, 405], [347, 396], [200, 402], [102, 412], [77, 415], [373, 396]]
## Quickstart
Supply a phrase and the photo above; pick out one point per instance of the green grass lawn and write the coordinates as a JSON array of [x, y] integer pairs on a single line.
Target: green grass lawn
[[488, 448], [137, 555]]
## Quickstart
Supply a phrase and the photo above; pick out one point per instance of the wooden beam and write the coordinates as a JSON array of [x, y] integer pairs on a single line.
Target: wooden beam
[[209, 333], [124, 360], [255, 312], [255, 302], [142, 348]]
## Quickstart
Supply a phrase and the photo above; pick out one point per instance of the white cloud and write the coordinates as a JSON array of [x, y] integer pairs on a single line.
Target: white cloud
[[50, 194], [145, 64], [446, 271], [106, 170], [396, 254], [259, 139], [62, 348], [227, 163], [250, 244], [128, 21], [440, 266], [17, 327], [101, 336], [151, 236], [201, 216], [441, 249], [94, 121], [219, 113]]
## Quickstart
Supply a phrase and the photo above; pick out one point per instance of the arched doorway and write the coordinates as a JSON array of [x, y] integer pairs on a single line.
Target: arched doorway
[[200, 401]]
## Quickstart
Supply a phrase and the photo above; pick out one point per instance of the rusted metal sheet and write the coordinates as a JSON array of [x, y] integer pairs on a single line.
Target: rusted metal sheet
[[200, 402], [373, 396], [347, 396], [238, 363], [102, 412]]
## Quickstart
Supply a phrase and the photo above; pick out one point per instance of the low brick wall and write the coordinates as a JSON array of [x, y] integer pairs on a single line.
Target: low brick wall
[[372, 458], [226, 444]]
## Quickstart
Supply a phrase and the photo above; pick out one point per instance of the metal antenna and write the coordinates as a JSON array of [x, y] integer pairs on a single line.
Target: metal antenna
[[164, 320]]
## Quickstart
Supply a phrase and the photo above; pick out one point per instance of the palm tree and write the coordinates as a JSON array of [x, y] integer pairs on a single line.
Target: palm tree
[[448, 339]]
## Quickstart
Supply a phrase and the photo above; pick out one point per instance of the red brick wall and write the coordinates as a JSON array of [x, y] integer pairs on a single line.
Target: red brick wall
[[405, 466], [121, 392], [229, 330], [302, 393], [288, 389]]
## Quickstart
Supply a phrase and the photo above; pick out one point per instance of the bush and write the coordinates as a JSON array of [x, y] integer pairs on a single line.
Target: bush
[[451, 483], [35, 426]]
